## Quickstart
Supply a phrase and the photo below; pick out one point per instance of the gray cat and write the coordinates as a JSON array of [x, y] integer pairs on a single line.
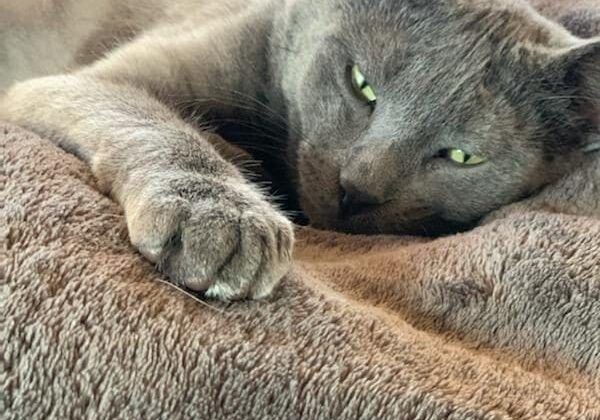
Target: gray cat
[[406, 116]]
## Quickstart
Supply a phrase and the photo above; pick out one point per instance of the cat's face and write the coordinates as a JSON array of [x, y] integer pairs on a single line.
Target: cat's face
[[422, 116]]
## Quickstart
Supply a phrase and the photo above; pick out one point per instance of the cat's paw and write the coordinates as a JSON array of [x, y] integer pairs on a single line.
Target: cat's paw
[[219, 237]]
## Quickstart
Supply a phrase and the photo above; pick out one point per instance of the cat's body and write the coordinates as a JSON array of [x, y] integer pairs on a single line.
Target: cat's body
[[492, 84]]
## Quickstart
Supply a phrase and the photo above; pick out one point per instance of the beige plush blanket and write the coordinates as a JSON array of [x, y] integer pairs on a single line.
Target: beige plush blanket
[[501, 322]]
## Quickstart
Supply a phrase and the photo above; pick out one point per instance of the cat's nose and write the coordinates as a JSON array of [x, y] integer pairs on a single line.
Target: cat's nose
[[355, 201], [368, 178]]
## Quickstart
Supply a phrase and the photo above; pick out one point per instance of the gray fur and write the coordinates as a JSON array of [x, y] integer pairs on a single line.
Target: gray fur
[[492, 77]]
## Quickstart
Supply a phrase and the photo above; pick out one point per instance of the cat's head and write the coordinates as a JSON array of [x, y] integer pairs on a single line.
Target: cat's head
[[421, 116]]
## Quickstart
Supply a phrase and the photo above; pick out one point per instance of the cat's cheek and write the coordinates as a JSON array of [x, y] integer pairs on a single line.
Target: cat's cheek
[[434, 167]]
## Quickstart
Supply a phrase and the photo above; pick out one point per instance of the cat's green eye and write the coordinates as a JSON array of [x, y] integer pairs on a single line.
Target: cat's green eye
[[462, 158], [361, 87]]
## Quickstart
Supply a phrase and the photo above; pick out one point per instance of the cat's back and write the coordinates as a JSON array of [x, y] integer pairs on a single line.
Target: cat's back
[[47, 37]]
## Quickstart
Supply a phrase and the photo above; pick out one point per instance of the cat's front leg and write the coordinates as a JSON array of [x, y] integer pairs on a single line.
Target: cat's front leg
[[187, 208]]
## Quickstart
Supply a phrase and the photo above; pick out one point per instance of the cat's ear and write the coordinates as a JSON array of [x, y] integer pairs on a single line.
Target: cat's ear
[[577, 66], [576, 72]]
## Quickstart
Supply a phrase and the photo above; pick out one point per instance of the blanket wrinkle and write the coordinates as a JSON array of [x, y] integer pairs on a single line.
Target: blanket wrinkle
[[500, 322]]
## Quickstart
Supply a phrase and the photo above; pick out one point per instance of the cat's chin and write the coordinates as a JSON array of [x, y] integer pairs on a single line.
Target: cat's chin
[[431, 227]]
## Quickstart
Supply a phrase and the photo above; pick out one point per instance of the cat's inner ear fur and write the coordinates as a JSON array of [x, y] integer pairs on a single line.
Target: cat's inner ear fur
[[577, 70]]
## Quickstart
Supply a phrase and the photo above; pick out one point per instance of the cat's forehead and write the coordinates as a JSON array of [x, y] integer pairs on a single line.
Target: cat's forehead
[[440, 42], [432, 62], [460, 24]]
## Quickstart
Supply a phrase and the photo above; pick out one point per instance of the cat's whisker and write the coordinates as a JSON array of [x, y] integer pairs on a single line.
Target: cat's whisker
[[192, 296]]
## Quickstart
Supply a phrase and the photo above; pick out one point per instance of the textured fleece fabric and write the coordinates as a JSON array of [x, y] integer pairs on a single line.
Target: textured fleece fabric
[[501, 322]]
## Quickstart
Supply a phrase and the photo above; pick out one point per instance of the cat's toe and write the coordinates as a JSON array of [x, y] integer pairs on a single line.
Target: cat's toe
[[262, 258], [249, 254]]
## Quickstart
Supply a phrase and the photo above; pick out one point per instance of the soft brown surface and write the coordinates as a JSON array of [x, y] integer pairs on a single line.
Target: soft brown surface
[[501, 322]]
